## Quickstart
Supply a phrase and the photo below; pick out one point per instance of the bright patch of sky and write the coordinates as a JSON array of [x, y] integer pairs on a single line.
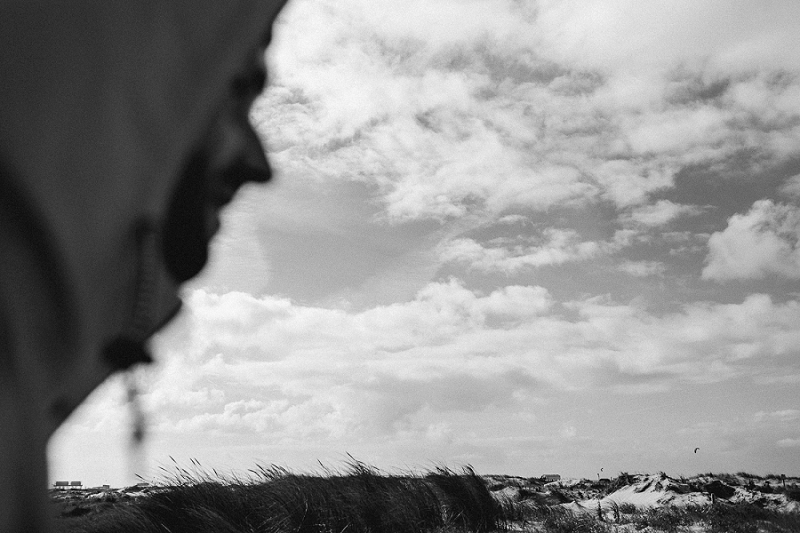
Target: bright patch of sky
[[527, 236]]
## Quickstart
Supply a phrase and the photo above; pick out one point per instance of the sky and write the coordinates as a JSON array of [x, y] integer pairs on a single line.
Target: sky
[[527, 236]]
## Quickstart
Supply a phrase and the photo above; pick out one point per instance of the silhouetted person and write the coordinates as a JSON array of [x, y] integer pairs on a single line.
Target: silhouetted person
[[123, 131]]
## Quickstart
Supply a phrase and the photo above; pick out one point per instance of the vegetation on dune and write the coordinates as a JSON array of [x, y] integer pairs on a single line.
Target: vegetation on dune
[[276, 500], [718, 518], [363, 499]]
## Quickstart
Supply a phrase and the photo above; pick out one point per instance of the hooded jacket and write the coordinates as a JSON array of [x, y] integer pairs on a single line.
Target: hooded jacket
[[103, 105]]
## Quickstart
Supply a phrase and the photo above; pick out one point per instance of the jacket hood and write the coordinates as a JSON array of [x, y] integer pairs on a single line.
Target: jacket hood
[[101, 102]]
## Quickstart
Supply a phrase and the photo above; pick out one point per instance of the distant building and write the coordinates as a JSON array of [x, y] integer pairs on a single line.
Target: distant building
[[67, 485], [549, 478]]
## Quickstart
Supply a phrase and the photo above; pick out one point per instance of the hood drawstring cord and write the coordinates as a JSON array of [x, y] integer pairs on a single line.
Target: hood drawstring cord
[[129, 348]]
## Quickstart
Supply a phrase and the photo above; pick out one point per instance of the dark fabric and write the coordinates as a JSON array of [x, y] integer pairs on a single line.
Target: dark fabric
[[105, 106]]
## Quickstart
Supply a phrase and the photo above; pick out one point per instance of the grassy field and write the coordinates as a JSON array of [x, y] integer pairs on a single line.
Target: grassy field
[[361, 499]]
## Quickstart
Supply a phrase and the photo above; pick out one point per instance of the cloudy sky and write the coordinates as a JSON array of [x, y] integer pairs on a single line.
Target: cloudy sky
[[529, 236]]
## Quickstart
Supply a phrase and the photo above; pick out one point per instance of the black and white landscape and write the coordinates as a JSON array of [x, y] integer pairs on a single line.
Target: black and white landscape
[[529, 236]]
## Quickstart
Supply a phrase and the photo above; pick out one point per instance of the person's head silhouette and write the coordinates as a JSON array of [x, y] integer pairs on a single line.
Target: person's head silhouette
[[123, 131]]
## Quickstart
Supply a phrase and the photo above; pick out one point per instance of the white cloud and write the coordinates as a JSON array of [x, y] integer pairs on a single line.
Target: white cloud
[[447, 116], [629, 182], [771, 96], [441, 22], [660, 213], [760, 242], [642, 269], [632, 35], [289, 371], [441, 372], [185, 391], [518, 300], [784, 415], [512, 219], [559, 246], [788, 443], [678, 129], [791, 187]]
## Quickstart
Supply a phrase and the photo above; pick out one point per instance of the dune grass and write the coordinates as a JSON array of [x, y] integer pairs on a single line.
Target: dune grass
[[275, 500], [533, 517], [361, 499], [539, 512]]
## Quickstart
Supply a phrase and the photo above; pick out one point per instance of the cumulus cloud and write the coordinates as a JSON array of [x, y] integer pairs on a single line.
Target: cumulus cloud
[[788, 443], [761, 242], [559, 246], [292, 371], [494, 112], [660, 213], [642, 269], [784, 415], [791, 187], [631, 35], [629, 182], [511, 219]]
